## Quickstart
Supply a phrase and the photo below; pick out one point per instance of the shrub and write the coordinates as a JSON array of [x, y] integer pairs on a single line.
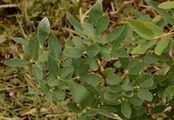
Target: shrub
[[124, 74]]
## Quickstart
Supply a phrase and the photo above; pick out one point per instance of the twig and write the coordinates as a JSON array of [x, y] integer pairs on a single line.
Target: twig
[[8, 6], [79, 5], [163, 35]]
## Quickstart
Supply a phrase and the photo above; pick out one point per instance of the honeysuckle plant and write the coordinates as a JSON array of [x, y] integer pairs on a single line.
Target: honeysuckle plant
[[124, 74]]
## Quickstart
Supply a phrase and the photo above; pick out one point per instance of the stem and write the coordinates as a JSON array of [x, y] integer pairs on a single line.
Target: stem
[[8, 6], [167, 34], [79, 5]]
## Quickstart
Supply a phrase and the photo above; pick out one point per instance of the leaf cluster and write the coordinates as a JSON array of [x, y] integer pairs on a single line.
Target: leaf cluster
[[104, 75]]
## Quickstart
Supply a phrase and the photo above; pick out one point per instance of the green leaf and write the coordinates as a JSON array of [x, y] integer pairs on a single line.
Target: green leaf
[[88, 30], [80, 67], [104, 112], [53, 81], [33, 48], [128, 93], [109, 108], [142, 29], [55, 46], [93, 50], [148, 83], [106, 53], [121, 38], [150, 58], [98, 39], [73, 21], [143, 47], [162, 44], [80, 93], [52, 66], [72, 52], [102, 24], [21, 41], [43, 30], [166, 5], [78, 42], [170, 74], [110, 96], [37, 73], [95, 12], [145, 95], [115, 34], [135, 67], [73, 107], [92, 79], [92, 63], [140, 112], [127, 86], [159, 79], [113, 79], [156, 30], [170, 90], [66, 70], [114, 88], [16, 63], [135, 100], [163, 13], [58, 95], [126, 109], [124, 62], [119, 52], [43, 57]]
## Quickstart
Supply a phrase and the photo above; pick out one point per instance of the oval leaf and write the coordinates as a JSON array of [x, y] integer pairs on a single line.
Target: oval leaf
[[135, 67], [93, 50], [33, 47], [80, 93], [156, 30], [125, 109], [119, 52], [95, 12], [43, 30], [167, 5], [66, 70], [113, 79], [140, 28], [145, 95], [52, 66], [16, 62], [163, 43], [92, 63], [72, 52], [88, 30], [73, 21], [101, 24], [55, 46], [115, 34], [92, 79], [37, 73], [143, 47]]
